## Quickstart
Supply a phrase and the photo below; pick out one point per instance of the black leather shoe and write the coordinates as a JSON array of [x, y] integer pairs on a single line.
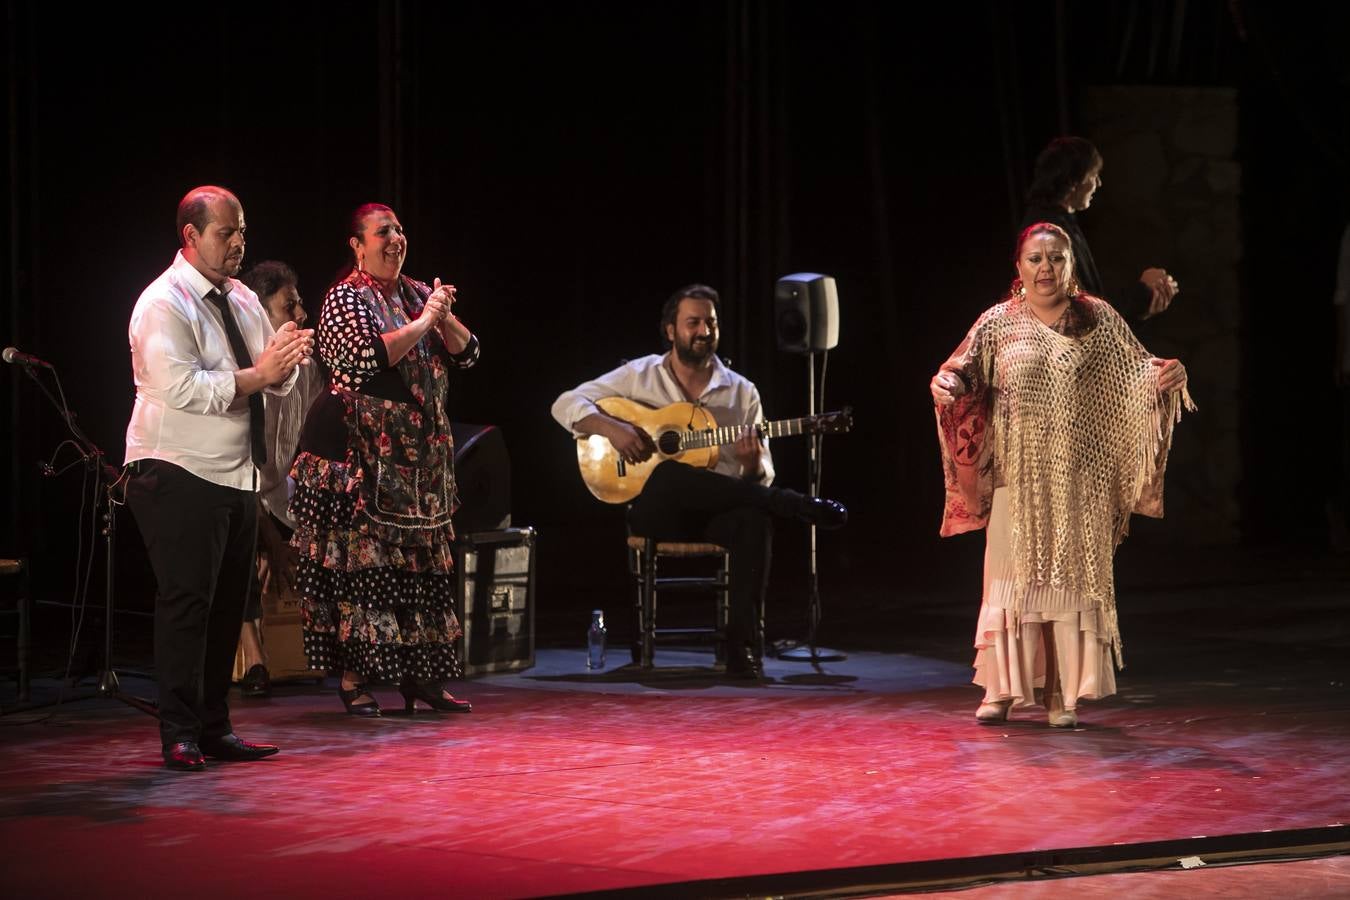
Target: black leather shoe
[[743, 663], [432, 696], [370, 709], [822, 513], [233, 748], [184, 756], [256, 682]]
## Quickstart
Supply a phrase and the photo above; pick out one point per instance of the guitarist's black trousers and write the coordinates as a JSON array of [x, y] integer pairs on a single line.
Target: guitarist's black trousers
[[682, 503]]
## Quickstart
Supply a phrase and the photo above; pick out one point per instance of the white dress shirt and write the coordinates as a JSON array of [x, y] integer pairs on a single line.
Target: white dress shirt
[[187, 412], [731, 399]]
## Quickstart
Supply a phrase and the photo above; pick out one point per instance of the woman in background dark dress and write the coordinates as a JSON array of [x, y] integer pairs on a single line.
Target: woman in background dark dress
[[1068, 173]]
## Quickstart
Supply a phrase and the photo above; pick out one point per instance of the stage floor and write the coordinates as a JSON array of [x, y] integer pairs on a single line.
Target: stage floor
[[675, 781]]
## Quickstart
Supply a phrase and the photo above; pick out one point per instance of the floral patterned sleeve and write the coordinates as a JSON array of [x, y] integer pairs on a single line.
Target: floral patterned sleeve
[[349, 338], [964, 435]]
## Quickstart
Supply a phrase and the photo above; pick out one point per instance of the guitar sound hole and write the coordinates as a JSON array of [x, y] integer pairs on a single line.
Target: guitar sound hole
[[668, 442]]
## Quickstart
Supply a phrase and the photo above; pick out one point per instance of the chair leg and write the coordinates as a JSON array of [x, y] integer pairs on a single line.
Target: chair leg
[[23, 609], [635, 569], [648, 602], [722, 591], [25, 612]]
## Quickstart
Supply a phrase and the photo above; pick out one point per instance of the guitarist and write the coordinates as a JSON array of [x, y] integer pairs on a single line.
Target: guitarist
[[732, 504]]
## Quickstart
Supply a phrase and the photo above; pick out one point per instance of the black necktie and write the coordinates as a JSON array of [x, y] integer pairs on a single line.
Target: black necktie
[[256, 427]]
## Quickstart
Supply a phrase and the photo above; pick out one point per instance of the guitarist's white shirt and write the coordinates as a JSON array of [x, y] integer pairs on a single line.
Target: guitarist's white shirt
[[731, 399]]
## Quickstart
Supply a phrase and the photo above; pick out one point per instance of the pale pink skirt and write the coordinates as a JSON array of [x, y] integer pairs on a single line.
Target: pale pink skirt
[[1010, 660]]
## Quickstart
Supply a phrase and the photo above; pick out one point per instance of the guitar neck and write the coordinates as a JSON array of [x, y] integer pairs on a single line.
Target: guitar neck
[[728, 434]]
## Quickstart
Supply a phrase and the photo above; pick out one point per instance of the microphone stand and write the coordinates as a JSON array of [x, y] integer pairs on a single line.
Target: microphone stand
[[105, 479], [811, 653]]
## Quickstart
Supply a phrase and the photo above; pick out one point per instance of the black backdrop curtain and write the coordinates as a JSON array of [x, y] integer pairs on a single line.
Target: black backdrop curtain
[[569, 165]]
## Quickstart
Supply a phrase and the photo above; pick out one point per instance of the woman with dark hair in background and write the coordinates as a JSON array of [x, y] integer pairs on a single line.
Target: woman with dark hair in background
[[1055, 425], [1068, 172], [375, 478], [276, 285]]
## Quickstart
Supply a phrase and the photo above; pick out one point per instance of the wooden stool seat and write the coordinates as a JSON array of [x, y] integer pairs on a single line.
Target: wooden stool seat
[[677, 548]]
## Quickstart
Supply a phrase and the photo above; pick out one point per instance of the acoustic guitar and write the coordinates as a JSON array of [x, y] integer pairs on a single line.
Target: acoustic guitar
[[684, 432]]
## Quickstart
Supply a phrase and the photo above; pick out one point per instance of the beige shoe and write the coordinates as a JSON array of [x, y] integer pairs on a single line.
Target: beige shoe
[[993, 713], [1057, 715]]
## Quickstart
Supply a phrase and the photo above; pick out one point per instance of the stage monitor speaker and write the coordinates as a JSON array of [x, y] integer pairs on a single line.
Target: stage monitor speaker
[[482, 478], [806, 312], [494, 599]]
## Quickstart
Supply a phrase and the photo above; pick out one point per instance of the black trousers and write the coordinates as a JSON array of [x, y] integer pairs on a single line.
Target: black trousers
[[682, 503], [200, 538]]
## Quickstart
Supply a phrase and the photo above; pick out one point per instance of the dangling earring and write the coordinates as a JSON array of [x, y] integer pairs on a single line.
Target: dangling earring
[[1073, 289], [1019, 289], [360, 264]]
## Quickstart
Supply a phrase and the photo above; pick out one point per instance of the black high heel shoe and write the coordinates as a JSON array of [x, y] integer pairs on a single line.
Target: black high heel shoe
[[256, 682], [430, 695], [370, 709]]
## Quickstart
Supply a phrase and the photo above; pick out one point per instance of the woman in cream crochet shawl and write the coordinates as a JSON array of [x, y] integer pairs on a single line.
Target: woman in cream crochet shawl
[[1055, 424]]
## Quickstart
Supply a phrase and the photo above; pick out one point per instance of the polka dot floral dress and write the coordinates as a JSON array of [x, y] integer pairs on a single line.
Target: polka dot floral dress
[[375, 489]]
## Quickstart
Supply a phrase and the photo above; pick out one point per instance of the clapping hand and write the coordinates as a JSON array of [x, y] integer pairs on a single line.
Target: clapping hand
[[1163, 287], [434, 309], [291, 346], [446, 291], [438, 303]]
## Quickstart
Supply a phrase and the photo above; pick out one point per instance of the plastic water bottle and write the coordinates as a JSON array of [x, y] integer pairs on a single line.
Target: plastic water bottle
[[595, 641]]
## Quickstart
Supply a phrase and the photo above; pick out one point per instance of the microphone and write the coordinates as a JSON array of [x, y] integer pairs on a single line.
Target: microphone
[[16, 357]]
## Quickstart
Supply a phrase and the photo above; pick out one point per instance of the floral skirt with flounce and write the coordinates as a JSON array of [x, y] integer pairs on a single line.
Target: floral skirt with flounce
[[376, 601]]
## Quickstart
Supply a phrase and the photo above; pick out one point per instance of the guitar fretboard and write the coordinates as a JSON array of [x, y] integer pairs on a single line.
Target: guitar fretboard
[[727, 434]]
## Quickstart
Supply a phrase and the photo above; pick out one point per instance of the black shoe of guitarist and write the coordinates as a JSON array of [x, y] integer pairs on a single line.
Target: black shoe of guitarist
[[817, 511]]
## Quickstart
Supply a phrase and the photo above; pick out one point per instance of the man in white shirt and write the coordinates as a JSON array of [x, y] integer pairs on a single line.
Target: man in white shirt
[[202, 351], [730, 505]]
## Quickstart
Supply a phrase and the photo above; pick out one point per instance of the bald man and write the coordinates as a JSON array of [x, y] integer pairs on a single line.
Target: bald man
[[202, 353]]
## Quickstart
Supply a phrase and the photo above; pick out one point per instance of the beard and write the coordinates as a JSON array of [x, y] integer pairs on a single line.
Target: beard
[[695, 351]]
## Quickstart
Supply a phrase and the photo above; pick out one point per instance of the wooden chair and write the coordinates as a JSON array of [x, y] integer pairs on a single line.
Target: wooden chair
[[644, 558], [23, 611]]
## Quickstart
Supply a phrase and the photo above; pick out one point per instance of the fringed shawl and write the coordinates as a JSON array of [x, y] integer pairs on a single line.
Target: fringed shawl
[[1074, 427]]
